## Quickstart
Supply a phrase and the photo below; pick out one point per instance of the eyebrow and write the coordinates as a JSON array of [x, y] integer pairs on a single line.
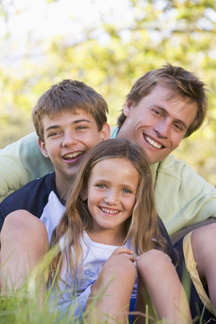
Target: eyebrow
[[166, 113], [73, 123]]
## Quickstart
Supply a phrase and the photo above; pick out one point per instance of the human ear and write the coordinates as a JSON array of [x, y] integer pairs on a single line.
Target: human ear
[[128, 107], [42, 147], [105, 132]]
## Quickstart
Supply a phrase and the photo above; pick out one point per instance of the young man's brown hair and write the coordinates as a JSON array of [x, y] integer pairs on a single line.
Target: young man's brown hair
[[182, 83], [69, 95]]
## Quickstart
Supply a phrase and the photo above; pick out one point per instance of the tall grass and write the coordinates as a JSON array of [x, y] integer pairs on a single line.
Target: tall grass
[[21, 307], [33, 305]]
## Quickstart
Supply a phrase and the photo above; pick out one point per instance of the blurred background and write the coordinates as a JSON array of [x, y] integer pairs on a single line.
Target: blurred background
[[108, 45]]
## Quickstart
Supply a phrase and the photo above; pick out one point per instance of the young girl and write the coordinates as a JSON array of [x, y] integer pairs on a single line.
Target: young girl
[[113, 252]]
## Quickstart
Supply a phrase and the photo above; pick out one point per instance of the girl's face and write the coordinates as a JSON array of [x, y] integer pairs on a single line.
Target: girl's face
[[111, 194]]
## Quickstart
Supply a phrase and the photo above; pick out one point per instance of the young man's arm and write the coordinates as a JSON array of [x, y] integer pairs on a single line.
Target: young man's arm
[[20, 163]]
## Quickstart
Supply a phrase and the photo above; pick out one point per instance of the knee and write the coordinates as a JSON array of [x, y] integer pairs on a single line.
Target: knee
[[203, 243], [118, 271], [208, 231], [204, 236], [153, 259], [118, 266], [16, 220], [20, 223], [20, 219]]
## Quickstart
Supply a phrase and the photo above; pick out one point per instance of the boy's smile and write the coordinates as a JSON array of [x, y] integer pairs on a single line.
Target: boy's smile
[[111, 195], [68, 136]]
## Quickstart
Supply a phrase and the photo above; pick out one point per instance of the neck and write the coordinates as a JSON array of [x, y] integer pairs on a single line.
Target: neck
[[63, 186], [107, 236]]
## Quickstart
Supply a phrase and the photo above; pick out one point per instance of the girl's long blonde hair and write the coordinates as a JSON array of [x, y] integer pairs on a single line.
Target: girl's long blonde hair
[[142, 225]]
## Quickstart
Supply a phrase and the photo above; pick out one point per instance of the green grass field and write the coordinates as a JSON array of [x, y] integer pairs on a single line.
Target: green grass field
[[33, 305]]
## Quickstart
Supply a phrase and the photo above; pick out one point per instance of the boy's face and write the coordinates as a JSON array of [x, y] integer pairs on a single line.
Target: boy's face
[[67, 137]]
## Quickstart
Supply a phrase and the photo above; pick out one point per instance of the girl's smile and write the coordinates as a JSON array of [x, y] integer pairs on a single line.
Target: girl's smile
[[111, 195], [109, 211]]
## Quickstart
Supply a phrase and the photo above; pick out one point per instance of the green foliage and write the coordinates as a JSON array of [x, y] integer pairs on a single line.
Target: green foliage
[[110, 55], [24, 306]]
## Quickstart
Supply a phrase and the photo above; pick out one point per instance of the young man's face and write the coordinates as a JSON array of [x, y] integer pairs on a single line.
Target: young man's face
[[67, 137], [158, 123]]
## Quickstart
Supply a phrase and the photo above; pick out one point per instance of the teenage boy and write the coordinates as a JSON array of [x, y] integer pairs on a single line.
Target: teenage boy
[[69, 118]]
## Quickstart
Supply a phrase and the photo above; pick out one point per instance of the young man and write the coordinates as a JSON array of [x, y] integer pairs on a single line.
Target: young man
[[162, 108], [70, 118]]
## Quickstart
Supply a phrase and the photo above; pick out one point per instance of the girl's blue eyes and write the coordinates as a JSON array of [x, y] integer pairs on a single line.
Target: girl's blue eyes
[[103, 186], [126, 191]]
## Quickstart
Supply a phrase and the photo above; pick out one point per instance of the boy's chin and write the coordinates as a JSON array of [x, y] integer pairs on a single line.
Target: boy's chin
[[73, 171]]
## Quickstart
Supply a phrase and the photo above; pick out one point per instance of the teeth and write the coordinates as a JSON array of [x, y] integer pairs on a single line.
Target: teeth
[[153, 143], [72, 155], [108, 211]]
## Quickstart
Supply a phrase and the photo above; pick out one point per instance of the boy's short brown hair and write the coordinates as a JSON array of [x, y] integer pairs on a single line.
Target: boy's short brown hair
[[69, 95], [182, 83]]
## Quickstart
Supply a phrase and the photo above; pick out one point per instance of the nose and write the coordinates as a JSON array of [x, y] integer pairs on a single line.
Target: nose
[[111, 197], [68, 140], [162, 129]]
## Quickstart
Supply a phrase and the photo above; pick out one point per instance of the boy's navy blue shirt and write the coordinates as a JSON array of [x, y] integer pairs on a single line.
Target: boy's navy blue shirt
[[40, 198]]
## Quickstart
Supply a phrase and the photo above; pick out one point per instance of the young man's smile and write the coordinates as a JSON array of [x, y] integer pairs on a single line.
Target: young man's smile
[[158, 123], [153, 142]]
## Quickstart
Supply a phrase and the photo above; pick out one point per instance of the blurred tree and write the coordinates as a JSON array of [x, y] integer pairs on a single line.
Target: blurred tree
[[110, 55]]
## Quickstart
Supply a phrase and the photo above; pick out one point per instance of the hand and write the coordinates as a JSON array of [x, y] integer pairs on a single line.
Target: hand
[[125, 251]]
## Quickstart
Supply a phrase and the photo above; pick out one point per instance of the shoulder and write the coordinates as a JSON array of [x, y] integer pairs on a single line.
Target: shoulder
[[178, 171], [21, 162], [32, 197], [170, 166], [22, 146], [37, 186]]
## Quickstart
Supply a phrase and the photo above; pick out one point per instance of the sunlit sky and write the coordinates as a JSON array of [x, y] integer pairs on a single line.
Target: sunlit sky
[[35, 19], [59, 17]]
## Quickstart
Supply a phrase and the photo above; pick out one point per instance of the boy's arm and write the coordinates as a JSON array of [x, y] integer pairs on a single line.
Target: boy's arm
[[20, 163]]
